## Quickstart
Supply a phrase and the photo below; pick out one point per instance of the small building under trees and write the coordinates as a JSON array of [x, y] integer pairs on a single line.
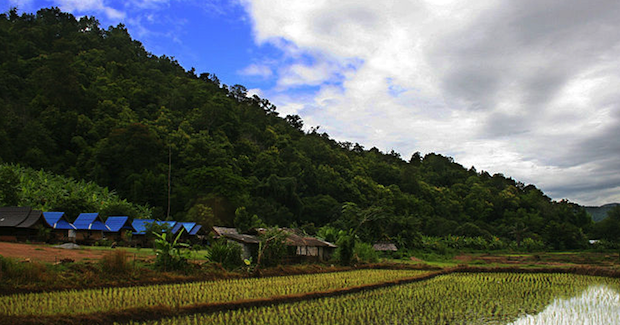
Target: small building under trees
[[62, 229], [22, 223], [89, 227], [385, 247], [118, 228]]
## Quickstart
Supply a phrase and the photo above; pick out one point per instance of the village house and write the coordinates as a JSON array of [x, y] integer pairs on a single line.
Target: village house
[[118, 228], [62, 229], [21, 224], [302, 247], [89, 228]]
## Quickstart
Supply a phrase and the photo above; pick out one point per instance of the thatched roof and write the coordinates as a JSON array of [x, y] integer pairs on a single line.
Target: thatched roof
[[220, 231], [242, 238], [385, 247], [294, 238]]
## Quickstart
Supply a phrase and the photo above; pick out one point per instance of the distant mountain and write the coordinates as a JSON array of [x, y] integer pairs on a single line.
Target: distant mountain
[[600, 213]]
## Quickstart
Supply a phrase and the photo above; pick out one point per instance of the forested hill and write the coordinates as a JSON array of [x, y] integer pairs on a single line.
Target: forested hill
[[93, 104], [600, 213]]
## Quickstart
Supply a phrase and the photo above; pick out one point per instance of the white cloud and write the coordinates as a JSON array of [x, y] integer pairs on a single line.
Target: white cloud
[[258, 70], [81, 6], [525, 88]]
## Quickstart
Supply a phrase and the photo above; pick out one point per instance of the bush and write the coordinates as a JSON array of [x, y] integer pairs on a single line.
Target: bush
[[364, 252], [15, 271], [225, 253], [272, 248], [346, 249], [115, 263], [171, 255]]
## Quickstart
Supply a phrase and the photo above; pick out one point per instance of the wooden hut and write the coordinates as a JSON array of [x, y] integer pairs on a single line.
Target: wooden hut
[[89, 228], [309, 247], [249, 243], [119, 228], [63, 230], [22, 223], [143, 226], [304, 247]]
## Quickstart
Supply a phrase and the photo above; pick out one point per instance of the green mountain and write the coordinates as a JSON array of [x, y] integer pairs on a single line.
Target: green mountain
[[92, 104], [600, 213]]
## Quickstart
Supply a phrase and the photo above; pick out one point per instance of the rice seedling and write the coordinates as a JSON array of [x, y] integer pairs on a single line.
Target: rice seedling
[[490, 298], [178, 295]]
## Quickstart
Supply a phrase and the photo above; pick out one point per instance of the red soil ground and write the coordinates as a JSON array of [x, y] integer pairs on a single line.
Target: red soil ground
[[47, 253]]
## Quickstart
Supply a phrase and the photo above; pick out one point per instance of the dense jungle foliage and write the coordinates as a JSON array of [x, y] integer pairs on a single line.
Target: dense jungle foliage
[[92, 104]]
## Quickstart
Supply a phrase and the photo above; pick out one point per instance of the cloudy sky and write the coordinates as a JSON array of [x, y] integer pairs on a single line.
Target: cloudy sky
[[527, 88]]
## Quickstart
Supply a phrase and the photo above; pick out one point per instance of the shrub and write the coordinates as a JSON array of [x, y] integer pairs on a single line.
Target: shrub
[[365, 253], [225, 253], [171, 255], [345, 250], [115, 263], [15, 271]]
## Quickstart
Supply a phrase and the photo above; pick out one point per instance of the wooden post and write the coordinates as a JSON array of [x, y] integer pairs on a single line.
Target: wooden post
[[169, 179]]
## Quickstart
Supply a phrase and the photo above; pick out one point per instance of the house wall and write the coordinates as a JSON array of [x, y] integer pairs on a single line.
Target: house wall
[[88, 235], [247, 250], [308, 250], [62, 235]]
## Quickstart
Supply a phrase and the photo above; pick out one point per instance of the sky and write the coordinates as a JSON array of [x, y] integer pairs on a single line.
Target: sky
[[527, 88]]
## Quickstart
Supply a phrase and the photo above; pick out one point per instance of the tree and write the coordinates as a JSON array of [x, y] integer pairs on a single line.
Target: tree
[[295, 121], [244, 221], [271, 249], [10, 187]]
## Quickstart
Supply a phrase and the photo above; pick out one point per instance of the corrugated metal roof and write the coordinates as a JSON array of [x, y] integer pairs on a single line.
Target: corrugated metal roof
[[116, 223], [90, 221], [140, 225], [34, 217], [21, 217], [53, 217], [57, 220], [188, 226], [13, 216], [195, 230], [176, 228]]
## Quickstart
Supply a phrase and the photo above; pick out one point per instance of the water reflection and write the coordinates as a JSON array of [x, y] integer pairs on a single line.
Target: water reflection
[[596, 305]]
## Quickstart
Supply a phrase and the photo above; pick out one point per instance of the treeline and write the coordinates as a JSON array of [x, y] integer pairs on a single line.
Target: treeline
[[41, 190], [92, 104]]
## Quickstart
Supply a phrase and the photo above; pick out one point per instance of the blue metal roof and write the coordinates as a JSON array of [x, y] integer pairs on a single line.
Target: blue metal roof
[[57, 220], [89, 221], [188, 226], [195, 230], [140, 225], [117, 223], [177, 227], [52, 217]]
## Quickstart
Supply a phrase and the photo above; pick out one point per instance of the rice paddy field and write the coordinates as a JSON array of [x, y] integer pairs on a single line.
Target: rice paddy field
[[352, 297], [491, 298]]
